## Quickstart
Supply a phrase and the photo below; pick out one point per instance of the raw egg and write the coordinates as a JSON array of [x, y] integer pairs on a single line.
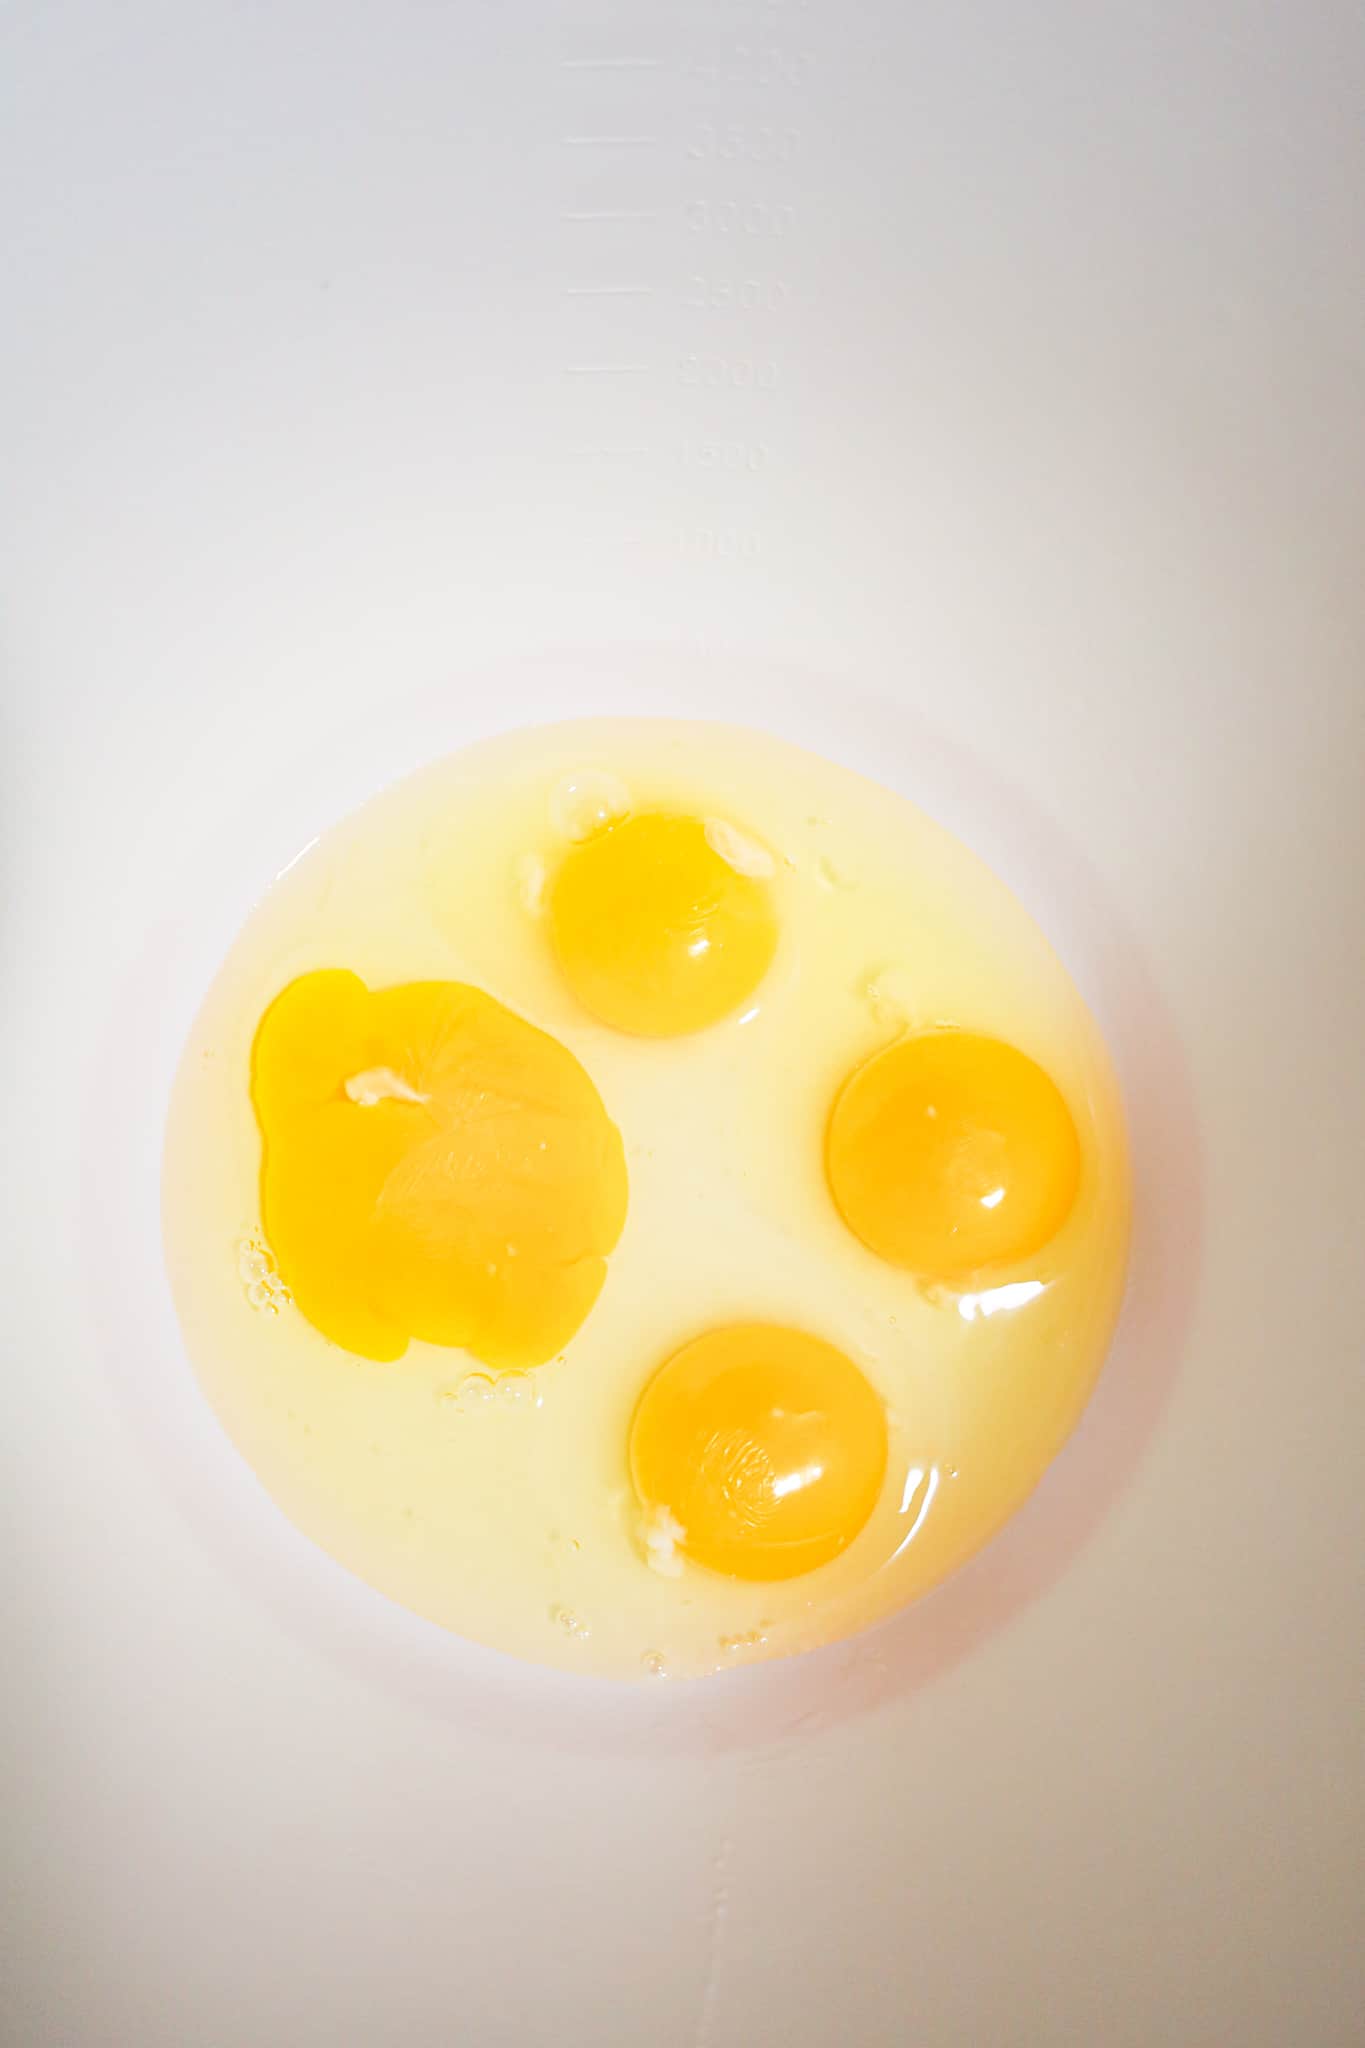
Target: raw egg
[[645, 1197], [433, 1167], [948, 1152], [759, 1450], [656, 928]]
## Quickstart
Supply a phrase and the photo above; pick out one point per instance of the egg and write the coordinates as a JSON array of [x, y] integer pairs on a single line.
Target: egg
[[433, 1167], [645, 1197]]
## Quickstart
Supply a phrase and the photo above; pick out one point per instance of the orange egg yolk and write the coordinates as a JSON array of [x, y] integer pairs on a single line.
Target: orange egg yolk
[[434, 1168], [655, 932], [948, 1152], [764, 1447]]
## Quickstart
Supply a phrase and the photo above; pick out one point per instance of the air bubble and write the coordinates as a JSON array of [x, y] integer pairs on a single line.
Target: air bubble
[[750, 1639], [655, 1664], [260, 1278], [573, 1625], [584, 804], [518, 1390], [482, 1390]]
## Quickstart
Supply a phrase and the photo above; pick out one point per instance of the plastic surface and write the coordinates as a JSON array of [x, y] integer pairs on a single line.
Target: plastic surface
[[972, 393]]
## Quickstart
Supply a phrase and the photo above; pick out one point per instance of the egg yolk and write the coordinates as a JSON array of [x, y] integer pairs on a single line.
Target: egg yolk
[[764, 1446], [948, 1151], [655, 932], [434, 1168]]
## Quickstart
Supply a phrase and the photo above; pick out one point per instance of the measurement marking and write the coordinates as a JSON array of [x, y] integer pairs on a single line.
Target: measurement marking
[[593, 454], [609, 291], [612, 63], [610, 141], [603, 369], [611, 213]]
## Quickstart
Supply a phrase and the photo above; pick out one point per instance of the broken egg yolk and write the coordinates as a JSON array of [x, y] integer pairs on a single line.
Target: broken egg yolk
[[759, 1450], [949, 1151], [663, 924], [434, 1168]]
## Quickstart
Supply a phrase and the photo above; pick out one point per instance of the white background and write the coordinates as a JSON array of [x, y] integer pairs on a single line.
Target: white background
[[1002, 360]]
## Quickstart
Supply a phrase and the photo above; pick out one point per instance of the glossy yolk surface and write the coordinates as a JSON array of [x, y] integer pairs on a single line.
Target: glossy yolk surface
[[655, 933], [434, 1168], [766, 1446], [947, 1152]]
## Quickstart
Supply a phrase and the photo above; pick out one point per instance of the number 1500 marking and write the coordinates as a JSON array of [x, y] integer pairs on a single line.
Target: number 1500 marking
[[739, 217]]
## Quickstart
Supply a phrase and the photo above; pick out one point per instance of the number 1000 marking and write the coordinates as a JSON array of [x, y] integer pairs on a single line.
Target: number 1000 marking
[[728, 373]]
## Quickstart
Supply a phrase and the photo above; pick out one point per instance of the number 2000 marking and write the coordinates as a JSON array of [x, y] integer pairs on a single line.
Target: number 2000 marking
[[745, 294]]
